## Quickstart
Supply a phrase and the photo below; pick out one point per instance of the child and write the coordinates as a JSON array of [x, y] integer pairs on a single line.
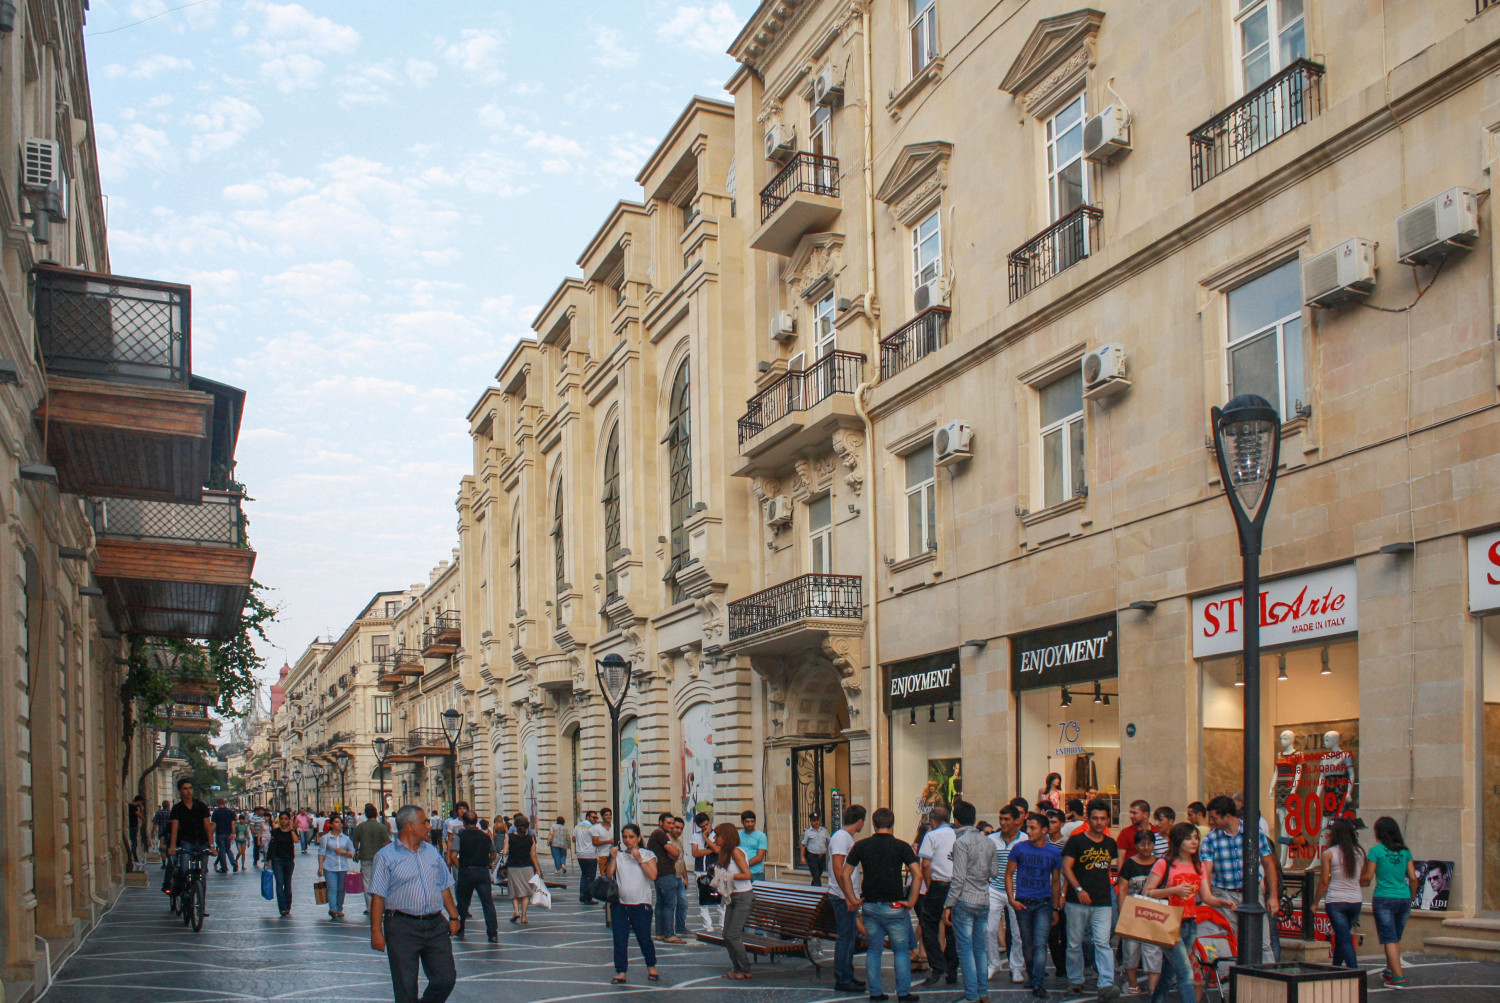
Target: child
[[1133, 875]]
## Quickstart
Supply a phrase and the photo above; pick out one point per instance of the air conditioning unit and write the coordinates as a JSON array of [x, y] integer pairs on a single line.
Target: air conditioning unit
[[1439, 226], [779, 511], [1104, 372], [950, 443], [1340, 274], [1106, 136], [828, 89], [934, 293], [784, 326], [781, 142], [41, 165]]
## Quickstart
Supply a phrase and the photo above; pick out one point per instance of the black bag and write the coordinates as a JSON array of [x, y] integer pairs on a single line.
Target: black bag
[[604, 890], [706, 893]]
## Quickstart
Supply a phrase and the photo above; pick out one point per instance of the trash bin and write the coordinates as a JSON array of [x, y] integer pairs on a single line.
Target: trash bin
[[1296, 983]]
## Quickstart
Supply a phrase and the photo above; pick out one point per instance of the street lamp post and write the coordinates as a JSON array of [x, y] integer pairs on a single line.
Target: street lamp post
[[380, 753], [317, 775], [297, 780], [343, 758], [453, 724], [614, 680], [1247, 442]]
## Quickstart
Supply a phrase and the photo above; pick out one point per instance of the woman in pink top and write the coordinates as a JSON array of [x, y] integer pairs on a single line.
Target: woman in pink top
[[304, 829], [1183, 880]]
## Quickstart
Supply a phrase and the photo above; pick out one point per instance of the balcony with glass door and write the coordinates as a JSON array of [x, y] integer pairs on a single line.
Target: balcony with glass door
[[802, 407]]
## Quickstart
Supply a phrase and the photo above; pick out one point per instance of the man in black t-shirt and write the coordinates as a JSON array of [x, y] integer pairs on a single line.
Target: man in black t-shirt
[[473, 853], [671, 896], [191, 830], [885, 909], [223, 820], [1087, 858]]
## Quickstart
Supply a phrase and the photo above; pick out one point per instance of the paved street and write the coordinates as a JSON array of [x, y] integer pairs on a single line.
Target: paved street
[[247, 952]]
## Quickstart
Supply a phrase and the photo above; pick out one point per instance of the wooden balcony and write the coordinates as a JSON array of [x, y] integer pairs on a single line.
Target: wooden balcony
[[442, 638], [174, 570], [188, 719], [407, 662]]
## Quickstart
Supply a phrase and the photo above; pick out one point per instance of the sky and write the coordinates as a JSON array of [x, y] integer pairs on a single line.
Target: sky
[[371, 201]]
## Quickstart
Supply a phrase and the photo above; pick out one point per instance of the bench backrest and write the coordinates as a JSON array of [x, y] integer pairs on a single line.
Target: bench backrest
[[798, 911]]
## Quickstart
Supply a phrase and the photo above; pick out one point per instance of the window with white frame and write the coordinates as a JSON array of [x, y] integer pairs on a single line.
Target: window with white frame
[[1265, 338], [1068, 185], [923, 25], [824, 314], [921, 502], [819, 131], [382, 715], [820, 535], [1272, 36], [1061, 411], [927, 251]]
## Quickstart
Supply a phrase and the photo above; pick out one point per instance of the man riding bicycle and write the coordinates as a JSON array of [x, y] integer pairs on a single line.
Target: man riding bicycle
[[192, 831]]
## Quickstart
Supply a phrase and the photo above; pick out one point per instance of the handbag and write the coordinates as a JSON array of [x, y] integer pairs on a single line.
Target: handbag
[[354, 883], [320, 892], [267, 885], [723, 883], [1149, 920], [604, 889]]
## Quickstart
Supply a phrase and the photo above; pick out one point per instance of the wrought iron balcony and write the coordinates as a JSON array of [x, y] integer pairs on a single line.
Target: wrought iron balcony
[[802, 198], [406, 661], [108, 327], [810, 597], [427, 741], [218, 521], [801, 390], [1480, 6], [922, 335], [443, 636], [1057, 248], [189, 719], [806, 172], [1289, 99]]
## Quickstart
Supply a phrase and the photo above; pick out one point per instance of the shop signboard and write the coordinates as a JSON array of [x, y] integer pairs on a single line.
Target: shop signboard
[[1072, 653], [1299, 609], [1484, 572], [921, 682]]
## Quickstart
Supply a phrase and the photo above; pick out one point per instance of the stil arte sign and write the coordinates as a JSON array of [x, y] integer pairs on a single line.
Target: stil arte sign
[[1484, 572], [1301, 608]]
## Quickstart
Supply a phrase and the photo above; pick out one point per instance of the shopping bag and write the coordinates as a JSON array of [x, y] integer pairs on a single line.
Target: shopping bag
[[540, 894], [320, 892], [267, 885], [354, 883], [1151, 921]]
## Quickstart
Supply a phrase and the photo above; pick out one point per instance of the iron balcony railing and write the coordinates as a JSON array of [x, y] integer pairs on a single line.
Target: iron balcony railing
[[1480, 6], [806, 172], [218, 521], [1289, 99], [922, 335], [112, 328], [426, 738], [800, 389], [1057, 248], [821, 597], [444, 630], [405, 659]]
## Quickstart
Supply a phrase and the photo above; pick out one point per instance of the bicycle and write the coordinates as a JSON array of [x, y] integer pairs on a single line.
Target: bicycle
[[192, 900]]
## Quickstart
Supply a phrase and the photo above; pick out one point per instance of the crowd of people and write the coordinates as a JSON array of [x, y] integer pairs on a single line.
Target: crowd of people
[[963, 900]]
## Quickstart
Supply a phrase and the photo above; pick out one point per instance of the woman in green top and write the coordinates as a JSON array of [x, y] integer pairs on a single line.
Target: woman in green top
[[241, 836], [1389, 865]]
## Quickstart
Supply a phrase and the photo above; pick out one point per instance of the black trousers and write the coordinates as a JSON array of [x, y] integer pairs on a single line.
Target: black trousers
[[818, 864], [410, 942], [942, 960], [588, 870], [470, 881]]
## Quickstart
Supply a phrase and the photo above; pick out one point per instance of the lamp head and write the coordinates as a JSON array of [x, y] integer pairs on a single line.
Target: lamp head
[[453, 723], [343, 760], [380, 747], [614, 677], [1247, 434]]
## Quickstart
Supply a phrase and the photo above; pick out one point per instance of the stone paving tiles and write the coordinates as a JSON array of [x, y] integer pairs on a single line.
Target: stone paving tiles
[[247, 952]]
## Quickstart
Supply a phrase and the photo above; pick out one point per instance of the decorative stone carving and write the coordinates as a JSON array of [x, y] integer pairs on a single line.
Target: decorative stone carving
[[711, 610], [694, 659], [1047, 89], [765, 487], [849, 444], [921, 197], [915, 182], [1058, 49], [818, 258]]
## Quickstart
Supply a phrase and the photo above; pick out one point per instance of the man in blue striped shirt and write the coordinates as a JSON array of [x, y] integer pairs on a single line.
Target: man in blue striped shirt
[[1002, 917], [412, 912]]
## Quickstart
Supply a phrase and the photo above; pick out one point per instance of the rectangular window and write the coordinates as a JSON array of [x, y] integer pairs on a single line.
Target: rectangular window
[[823, 326], [392, 607], [1265, 338], [820, 534], [1273, 35], [1067, 171], [921, 502], [380, 646], [794, 385], [923, 34], [382, 715], [927, 250], [1062, 439]]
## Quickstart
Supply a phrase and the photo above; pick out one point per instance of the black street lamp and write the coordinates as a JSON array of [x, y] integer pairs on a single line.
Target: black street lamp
[[1247, 442], [381, 746], [297, 780], [343, 760], [614, 680], [317, 775], [453, 726]]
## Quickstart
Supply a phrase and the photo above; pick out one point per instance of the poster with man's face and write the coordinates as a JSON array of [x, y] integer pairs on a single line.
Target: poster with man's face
[[1434, 878]]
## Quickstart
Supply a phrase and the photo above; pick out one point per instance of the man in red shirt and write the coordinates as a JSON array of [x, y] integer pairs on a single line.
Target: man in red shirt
[[1140, 818]]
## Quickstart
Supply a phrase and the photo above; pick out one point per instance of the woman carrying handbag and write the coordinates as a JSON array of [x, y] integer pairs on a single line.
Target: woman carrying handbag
[[281, 858], [1183, 880], [632, 867], [732, 876], [335, 858], [520, 865]]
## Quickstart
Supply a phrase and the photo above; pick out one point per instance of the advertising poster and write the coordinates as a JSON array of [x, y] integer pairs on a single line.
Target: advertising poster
[[697, 760], [945, 781], [529, 769], [630, 772], [1434, 878]]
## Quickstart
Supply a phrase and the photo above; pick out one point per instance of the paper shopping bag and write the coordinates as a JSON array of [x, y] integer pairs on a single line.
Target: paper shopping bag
[[1149, 920], [354, 883], [320, 892]]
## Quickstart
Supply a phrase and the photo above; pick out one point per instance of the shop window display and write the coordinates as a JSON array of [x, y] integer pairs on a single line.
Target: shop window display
[[1079, 741], [924, 698]]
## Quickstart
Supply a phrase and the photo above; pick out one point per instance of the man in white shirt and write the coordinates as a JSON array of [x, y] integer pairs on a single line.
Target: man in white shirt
[[603, 836], [705, 851], [587, 854], [936, 854], [1002, 912], [843, 895], [1075, 818], [452, 826]]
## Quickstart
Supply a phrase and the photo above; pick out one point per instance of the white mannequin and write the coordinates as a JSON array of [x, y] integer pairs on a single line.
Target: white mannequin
[[1289, 740], [1337, 763], [1282, 785], [1331, 740]]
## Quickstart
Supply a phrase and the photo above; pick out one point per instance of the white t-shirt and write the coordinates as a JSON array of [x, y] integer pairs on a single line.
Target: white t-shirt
[[937, 846], [603, 832], [1068, 828], [452, 827], [702, 865], [635, 888], [318, 823], [839, 845], [583, 843]]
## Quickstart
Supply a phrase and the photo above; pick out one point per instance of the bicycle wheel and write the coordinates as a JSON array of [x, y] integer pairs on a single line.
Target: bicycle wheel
[[186, 903], [200, 900]]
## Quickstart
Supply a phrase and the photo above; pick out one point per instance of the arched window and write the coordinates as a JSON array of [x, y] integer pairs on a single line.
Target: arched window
[[611, 513], [680, 471], [558, 553]]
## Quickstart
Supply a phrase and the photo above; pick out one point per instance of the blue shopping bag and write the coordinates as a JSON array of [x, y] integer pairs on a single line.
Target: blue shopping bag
[[267, 885]]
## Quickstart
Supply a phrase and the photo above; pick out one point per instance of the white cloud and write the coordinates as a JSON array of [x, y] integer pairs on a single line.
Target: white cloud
[[221, 126], [293, 71], [707, 29], [627, 152], [420, 72], [136, 146], [610, 51], [149, 67], [245, 193], [381, 83], [320, 287], [291, 44], [477, 53]]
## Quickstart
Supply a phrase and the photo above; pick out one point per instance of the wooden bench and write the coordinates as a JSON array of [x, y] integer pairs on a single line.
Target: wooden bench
[[784, 918]]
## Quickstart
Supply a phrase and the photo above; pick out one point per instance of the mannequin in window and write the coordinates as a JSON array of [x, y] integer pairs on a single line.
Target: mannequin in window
[[1287, 778], [1335, 781]]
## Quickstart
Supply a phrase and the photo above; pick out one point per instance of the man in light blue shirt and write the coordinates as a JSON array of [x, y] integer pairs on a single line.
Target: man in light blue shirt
[[753, 842], [411, 894]]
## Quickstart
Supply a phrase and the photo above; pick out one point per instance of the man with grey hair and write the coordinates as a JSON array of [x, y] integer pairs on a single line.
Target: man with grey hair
[[412, 913]]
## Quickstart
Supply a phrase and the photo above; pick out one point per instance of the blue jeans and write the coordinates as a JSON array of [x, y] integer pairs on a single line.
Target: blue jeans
[[335, 881], [224, 850], [884, 920], [559, 857], [1391, 915], [1035, 916], [304, 837], [671, 906], [1342, 917], [970, 928], [629, 918], [1093, 921], [179, 862], [1177, 966], [843, 947], [282, 871]]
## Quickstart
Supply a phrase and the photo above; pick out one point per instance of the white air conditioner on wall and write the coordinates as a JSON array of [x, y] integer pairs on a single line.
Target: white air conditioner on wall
[[827, 88], [779, 511], [783, 326], [781, 142], [1428, 232], [1341, 274], [1104, 372], [951, 443], [1106, 136]]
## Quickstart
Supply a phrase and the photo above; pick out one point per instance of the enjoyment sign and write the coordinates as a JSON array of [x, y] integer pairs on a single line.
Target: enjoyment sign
[[1300, 608]]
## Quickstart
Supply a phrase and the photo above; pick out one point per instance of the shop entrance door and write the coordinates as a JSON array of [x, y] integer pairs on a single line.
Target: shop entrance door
[[809, 794]]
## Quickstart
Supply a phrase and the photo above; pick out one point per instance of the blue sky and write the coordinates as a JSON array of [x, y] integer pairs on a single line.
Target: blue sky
[[371, 200]]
